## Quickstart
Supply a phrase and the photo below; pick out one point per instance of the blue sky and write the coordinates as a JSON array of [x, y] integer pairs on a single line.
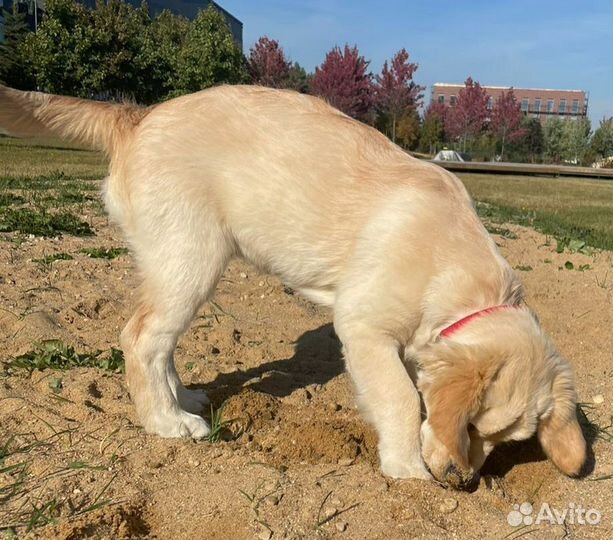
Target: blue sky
[[541, 44]]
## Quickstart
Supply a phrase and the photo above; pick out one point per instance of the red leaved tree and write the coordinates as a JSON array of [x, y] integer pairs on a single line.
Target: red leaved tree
[[396, 93], [436, 109], [343, 80], [505, 122], [268, 65], [466, 119]]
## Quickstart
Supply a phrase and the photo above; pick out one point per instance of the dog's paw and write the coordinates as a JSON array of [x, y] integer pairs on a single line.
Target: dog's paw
[[192, 401], [193, 426], [403, 469], [179, 424]]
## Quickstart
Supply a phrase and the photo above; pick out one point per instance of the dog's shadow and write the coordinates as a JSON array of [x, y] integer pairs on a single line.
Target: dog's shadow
[[317, 359], [506, 456]]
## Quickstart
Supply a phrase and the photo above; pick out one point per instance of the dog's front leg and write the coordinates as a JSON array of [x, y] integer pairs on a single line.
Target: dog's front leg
[[388, 398]]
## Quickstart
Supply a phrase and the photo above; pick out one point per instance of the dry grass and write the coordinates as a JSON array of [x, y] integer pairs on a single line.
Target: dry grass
[[35, 157]]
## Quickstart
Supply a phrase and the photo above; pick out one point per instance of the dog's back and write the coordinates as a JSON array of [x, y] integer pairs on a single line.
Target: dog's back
[[293, 181]]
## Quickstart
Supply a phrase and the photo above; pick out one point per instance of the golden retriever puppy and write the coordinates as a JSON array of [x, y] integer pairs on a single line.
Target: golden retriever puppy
[[339, 213]]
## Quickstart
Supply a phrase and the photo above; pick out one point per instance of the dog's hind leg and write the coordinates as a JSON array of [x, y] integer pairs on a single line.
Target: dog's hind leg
[[181, 267]]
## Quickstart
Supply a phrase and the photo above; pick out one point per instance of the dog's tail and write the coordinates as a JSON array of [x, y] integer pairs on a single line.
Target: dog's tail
[[104, 126]]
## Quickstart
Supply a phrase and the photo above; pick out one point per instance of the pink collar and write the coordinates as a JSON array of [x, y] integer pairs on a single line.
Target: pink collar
[[463, 322]]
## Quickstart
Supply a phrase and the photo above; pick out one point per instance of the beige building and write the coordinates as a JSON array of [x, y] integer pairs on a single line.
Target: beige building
[[536, 102]]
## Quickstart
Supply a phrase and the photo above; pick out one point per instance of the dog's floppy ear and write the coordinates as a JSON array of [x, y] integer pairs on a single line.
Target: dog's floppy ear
[[560, 433], [454, 396]]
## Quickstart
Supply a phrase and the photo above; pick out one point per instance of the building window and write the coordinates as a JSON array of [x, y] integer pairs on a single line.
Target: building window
[[575, 106], [550, 105], [525, 103], [490, 103], [441, 99], [537, 105], [452, 100], [562, 107]]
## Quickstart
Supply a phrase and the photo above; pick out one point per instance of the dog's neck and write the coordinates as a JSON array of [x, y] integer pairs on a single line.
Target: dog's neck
[[455, 296], [459, 324]]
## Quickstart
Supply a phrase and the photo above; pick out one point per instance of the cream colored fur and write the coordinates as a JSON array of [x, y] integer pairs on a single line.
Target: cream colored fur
[[338, 212]]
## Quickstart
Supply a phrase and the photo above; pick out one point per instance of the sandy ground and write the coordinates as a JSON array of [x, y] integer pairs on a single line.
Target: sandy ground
[[300, 463]]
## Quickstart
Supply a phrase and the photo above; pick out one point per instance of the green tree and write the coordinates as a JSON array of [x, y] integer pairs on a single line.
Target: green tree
[[115, 39], [210, 55], [298, 79], [433, 128], [530, 147], [115, 50], [408, 129], [602, 140], [14, 70], [553, 135], [59, 52], [483, 147], [576, 140], [158, 57]]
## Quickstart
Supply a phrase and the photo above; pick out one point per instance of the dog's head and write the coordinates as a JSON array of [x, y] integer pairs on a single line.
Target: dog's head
[[498, 379]]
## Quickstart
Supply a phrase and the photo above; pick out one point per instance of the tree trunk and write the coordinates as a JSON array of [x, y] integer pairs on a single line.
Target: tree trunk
[[393, 128]]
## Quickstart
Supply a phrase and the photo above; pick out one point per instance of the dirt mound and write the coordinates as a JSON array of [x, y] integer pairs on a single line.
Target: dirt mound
[[324, 441], [251, 411], [117, 522]]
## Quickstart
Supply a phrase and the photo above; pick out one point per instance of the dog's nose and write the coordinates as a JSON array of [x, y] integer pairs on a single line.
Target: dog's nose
[[459, 478]]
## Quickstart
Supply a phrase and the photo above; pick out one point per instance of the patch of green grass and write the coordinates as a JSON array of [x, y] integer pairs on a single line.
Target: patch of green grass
[[562, 229], [569, 265], [524, 268], [24, 492], [219, 426], [40, 222], [574, 245], [104, 253], [69, 195], [43, 514], [9, 199], [570, 210], [54, 354], [8, 448], [50, 259], [15, 484]]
